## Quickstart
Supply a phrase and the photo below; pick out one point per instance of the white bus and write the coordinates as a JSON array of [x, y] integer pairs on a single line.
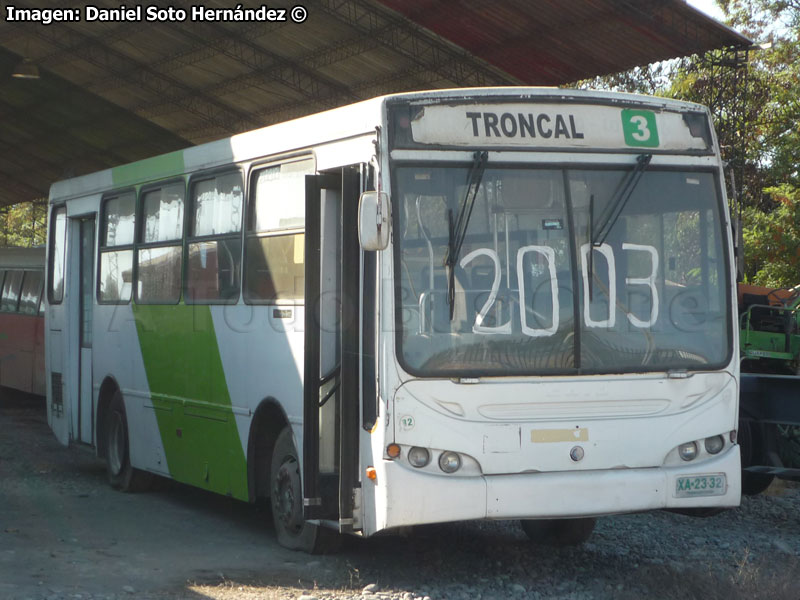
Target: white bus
[[503, 303]]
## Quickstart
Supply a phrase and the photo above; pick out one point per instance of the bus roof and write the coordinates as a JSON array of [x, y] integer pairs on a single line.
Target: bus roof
[[12, 257], [349, 121]]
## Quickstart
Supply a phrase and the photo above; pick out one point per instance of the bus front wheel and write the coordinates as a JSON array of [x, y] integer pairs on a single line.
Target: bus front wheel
[[121, 474], [559, 532], [286, 498]]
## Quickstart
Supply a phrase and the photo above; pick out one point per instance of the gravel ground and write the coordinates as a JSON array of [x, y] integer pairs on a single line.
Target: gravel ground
[[178, 542], [752, 552]]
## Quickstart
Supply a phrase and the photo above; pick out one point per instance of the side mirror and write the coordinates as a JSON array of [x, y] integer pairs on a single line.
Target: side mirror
[[373, 220]]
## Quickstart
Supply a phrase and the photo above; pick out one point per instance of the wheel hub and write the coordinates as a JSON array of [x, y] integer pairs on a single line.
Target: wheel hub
[[287, 496]]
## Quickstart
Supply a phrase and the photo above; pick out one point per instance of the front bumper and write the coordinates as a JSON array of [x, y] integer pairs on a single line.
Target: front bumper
[[410, 497]]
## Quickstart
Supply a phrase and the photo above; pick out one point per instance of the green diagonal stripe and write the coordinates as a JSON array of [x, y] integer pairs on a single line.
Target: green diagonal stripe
[[191, 399]]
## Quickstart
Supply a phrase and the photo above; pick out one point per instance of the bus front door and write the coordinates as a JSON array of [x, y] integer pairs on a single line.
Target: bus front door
[[331, 380]]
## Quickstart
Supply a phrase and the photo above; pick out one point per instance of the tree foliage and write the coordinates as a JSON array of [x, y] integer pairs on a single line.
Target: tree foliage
[[772, 239], [772, 213], [757, 123], [24, 224]]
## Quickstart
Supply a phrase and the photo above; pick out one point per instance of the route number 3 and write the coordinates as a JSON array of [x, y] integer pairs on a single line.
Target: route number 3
[[642, 133], [639, 128]]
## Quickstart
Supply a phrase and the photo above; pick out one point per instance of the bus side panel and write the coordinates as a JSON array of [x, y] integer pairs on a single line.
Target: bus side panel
[[117, 355], [57, 406], [261, 348], [190, 397], [17, 333]]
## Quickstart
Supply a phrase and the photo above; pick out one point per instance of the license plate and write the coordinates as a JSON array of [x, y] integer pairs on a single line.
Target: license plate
[[701, 485]]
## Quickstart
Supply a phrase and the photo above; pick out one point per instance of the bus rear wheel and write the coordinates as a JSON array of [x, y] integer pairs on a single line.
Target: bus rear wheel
[[286, 499], [121, 474], [559, 532]]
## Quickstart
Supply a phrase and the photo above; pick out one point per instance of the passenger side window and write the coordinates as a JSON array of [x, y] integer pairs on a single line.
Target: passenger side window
[[116, 249], [275, 252], [58, 244], [31, 291], [160, 251], [215, 245], [11, 288]]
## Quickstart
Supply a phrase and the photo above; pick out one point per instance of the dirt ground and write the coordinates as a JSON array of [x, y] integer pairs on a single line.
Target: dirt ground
[[64, 533]]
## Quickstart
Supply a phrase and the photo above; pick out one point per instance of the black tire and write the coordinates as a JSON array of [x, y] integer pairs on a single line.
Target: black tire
[[286, 500], [121, 475], [789, 445], [559, 532], [755, 483], [753, 450]]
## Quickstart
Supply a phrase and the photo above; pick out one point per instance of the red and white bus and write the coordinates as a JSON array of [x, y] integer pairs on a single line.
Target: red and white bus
[[22, 319]]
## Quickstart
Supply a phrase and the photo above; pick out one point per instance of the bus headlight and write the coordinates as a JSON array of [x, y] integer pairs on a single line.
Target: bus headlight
[[687, 451], [449, 462], [715, 444], [419, 457]]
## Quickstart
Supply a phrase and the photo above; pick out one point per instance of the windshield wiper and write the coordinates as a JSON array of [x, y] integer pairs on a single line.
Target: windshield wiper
[[618, 201], [612, 211], [458, 230]]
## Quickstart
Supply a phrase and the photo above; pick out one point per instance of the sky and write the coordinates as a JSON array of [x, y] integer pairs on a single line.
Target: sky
[[707, 6], [710, 8]]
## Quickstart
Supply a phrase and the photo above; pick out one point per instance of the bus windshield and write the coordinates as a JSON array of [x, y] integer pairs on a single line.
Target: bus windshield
[[527, 296]]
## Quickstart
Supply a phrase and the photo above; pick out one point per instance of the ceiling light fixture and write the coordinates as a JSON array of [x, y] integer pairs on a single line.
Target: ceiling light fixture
[[27, 69]]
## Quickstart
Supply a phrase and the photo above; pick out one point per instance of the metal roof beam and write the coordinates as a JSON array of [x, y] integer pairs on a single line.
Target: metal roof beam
[[46, 171], [417, 77], [294, 74], [317, 59], [208, 109], [263, 65], [43, 130], [416, 44], [374, 29], [202, 50], [50, 61], [13, 191], [17, 161], [58, 57]]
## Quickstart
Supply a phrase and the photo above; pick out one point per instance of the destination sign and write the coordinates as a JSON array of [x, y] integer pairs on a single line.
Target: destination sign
[[556, 126]]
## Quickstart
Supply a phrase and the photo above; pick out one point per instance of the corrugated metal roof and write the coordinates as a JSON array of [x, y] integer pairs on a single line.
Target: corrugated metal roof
[[551, 42], [111, 93]]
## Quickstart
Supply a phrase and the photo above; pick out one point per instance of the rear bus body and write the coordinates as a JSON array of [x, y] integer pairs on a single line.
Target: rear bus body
[[22, 319]]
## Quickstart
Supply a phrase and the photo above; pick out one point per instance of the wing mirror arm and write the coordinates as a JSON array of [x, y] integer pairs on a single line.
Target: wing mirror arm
[[374, 210]]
